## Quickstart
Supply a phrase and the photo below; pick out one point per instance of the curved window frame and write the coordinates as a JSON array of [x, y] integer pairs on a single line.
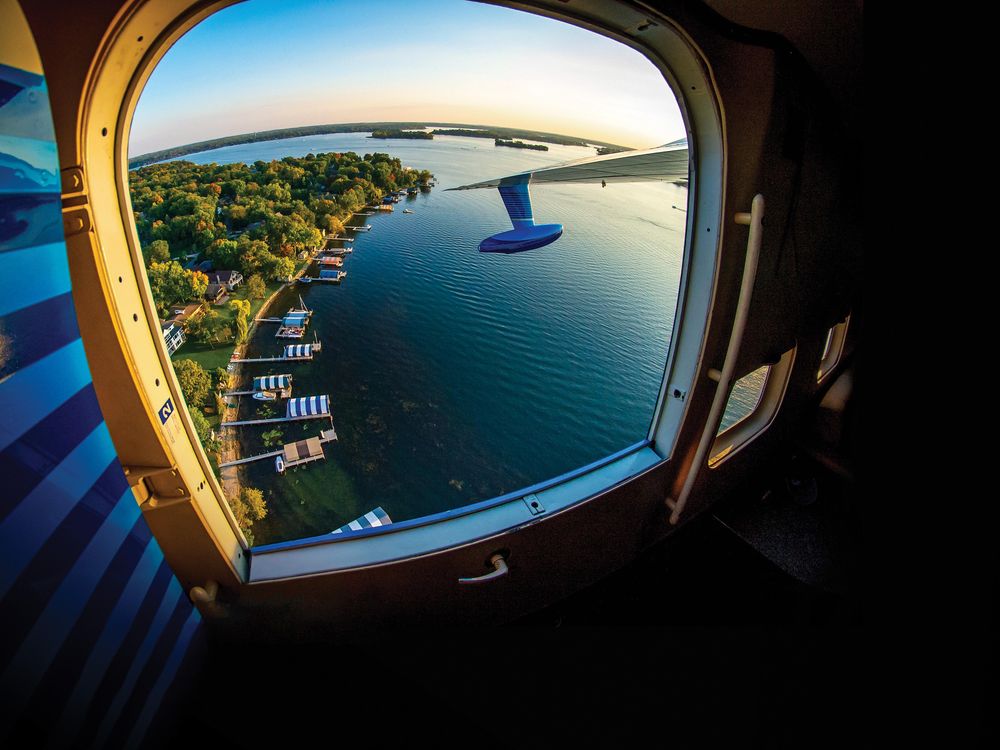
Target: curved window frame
[[125, 63], [739, 435], [833, 349]]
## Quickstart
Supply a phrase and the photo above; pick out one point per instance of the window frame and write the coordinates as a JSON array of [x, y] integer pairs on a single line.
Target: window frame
[[738, 436], [833, 349], [125, 64]]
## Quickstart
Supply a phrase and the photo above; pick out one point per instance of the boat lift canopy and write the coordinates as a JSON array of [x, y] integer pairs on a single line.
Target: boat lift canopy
[[298, 350], [272, 382], [371, 519], [308, 406]]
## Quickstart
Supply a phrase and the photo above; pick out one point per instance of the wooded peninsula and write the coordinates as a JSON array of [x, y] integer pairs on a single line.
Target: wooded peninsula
[[421, 135], [449, 128]]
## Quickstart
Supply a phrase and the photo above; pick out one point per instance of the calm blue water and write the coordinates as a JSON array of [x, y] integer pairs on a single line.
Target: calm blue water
[[457, 375]]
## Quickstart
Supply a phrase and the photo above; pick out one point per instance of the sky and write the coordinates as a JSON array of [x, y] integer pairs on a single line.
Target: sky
[[267, 64]]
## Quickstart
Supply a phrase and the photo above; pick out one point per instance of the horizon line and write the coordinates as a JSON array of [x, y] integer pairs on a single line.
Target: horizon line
[[411, 124]]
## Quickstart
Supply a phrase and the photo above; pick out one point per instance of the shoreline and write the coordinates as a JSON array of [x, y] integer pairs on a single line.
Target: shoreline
[[232, 477]]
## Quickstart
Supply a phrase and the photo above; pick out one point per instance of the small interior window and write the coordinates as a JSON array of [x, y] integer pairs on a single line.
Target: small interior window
[[833, 348], [744, 398], [753, 403]]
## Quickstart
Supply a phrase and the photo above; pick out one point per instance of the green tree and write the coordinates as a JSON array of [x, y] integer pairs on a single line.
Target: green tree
[[221, 377], [256, 288], [170, 284], [210, 328], [249, 506], [195, 383], [225, 254], [282, 268], [241, 313], [158, 251], [201, 426]]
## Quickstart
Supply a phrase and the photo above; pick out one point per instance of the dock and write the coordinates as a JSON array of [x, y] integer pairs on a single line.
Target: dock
[[291, 353], [365, 228], [296, 409], [293, 454], [340, 276], [342, 239]]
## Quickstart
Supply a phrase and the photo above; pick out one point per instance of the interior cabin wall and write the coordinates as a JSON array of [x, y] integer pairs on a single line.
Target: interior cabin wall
[[780, 141]]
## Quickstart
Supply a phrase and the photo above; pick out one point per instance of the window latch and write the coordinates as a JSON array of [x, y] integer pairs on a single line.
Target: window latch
[[499, 570]]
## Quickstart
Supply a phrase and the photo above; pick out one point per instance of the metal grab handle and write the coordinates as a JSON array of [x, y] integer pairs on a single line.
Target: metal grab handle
[[755, 220], [500, 566]]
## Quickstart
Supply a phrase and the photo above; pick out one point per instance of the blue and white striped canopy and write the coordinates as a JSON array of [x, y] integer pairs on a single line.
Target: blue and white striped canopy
[[271, 382], [308, 406], [298, 350], [371, 519], [298, 320]]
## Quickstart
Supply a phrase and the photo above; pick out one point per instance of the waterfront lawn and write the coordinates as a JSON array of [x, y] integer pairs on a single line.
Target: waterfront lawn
[[212, 356]]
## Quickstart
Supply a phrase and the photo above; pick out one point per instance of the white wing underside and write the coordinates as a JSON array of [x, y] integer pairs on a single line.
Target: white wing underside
[[662, 164]]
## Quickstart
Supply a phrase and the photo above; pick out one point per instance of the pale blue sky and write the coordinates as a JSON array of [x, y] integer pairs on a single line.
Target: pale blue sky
[[269, 64]]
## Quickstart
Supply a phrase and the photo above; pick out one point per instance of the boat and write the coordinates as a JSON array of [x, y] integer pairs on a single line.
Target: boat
[[407, 211], [304, 279], [279, 464], [265, 396]]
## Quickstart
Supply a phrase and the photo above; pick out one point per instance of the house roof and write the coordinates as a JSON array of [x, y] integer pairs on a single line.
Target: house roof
[[221, 277]]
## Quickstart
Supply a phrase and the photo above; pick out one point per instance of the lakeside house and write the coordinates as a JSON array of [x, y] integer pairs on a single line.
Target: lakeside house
[[180, 315], [229, 279], [173, 335], [216, 294]]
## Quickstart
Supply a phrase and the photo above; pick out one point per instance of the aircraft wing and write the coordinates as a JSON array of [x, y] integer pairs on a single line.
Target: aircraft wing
[[661, 164], [667, 163]]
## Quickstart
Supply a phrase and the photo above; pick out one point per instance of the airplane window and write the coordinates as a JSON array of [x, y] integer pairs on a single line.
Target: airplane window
[[358, 341], [833, 348], [753, 402], [744, 398]]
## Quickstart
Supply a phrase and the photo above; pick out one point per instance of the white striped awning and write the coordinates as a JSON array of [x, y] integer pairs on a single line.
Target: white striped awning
[[308, 406], [371, 519], [271, 382], [298, 350]]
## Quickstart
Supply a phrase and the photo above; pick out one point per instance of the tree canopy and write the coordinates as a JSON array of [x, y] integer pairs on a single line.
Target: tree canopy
[[252, 218], [195, 383]]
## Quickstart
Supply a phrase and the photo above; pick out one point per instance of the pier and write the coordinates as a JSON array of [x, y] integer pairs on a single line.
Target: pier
[[291, 353], [293, 454], [296, 409]]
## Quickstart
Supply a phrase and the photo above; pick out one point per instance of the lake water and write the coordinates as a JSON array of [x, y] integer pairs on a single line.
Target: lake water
[[456, 375]]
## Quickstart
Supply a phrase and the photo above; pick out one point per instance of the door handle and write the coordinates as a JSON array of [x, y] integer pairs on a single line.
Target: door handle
[[500, 570]]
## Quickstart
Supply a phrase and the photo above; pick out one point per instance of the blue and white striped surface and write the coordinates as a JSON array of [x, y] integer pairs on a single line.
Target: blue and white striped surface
[[298, 350], [308, 406], [271, 382], [94, 624], [372, 518]]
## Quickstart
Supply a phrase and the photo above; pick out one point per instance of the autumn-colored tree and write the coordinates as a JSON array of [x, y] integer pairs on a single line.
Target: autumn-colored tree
[[195, 382], [256, 288], [158, 251], [241, 314]]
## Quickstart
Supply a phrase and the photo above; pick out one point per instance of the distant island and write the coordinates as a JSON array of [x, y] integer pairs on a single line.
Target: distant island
[[449, 128], [422, 135], [520, 144], [511, 134], [605, 150]]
